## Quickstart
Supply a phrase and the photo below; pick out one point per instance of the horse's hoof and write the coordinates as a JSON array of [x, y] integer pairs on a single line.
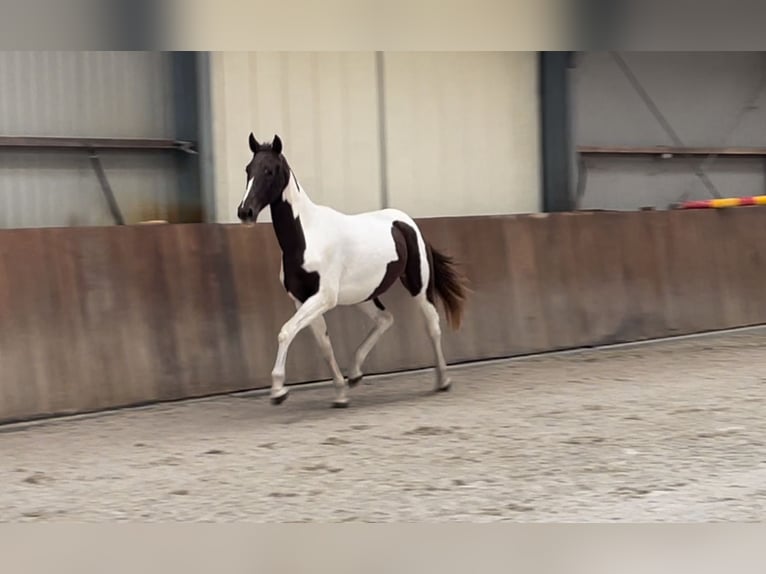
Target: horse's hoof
[[354, 381], [279, 399], [340, 404], [443, 388]]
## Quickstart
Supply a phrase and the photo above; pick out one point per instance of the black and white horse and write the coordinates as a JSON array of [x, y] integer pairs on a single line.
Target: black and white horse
[[331, 258]]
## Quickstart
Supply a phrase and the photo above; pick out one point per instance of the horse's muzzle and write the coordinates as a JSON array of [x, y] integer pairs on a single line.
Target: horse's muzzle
[[246, 214], [249, 213]]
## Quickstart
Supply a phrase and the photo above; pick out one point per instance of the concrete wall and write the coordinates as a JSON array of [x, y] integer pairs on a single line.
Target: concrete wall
[[704, 97], [431, 133]]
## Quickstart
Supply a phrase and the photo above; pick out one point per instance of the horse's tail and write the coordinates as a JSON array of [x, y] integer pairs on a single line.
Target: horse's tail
[[449, 285]]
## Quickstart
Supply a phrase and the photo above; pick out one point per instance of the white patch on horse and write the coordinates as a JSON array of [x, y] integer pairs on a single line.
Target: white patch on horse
[[248, 187], [350, 252], [292, 193]]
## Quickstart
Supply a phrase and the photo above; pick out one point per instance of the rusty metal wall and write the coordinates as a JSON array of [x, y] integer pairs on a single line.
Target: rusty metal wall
[[102, 317]]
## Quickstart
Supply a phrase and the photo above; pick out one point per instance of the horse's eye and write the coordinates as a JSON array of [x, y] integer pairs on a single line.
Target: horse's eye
[[267, 171]]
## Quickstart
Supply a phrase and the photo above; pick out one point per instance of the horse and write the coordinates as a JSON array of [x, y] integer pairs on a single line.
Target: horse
[[330, 259]]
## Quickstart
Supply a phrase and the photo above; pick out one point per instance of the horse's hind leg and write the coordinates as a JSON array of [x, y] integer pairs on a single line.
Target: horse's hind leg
[[431, 316], [383, 320], [319, 329]]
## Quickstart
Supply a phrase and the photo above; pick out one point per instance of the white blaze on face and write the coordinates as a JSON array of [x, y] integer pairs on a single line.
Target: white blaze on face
[[247, 192]]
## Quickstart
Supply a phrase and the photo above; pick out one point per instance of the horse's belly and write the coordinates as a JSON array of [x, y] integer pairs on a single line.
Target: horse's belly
[[357, 286]]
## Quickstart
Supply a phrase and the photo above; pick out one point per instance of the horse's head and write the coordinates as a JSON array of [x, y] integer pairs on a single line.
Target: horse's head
[[267, 177]]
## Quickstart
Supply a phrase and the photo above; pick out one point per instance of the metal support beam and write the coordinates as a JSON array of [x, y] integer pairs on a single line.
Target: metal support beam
[[111, 201], [556, 132], [189, 208], [380, 70], [205, 138], [135, 24]]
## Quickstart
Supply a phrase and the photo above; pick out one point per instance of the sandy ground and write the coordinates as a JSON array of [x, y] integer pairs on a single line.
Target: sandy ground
[[672, 431]]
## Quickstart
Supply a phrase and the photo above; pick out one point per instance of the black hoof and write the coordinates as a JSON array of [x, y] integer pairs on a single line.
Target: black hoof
[[354, 381], [278, 400], [444, 389], [340, 405]]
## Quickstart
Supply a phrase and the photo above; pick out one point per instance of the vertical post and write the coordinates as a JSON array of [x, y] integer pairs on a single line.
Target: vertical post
[[185, 108], [134, 24], [556, 131], [205, 138], [381, 85]]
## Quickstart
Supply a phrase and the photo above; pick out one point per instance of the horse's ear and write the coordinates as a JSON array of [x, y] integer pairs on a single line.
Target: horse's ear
[[253, 143], [276, 145]]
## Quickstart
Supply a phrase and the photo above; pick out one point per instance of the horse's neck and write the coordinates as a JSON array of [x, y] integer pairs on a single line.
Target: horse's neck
[[289, 217], [298, 199]]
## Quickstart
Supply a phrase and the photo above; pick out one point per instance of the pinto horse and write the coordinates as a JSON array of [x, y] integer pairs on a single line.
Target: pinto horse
[[331, 258]]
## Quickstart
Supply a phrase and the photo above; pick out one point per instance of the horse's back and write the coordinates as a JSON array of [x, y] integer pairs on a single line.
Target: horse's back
[[387, 216]]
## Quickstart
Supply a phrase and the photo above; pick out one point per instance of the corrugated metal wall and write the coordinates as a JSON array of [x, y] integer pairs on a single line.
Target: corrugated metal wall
[[704, 97], [88, 94], [324, 107], [462, 132], [461, 129]]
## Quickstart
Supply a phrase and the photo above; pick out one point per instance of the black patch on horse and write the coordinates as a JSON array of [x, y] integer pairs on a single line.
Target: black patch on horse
[[406, 266], [300, 283], [411, 279], [394, 268]]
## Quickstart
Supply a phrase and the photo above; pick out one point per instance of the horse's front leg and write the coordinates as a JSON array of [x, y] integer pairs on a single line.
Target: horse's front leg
[[314, 307]]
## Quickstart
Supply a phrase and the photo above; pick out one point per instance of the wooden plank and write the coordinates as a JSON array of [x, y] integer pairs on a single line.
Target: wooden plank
[[135, 253], [616, 309], [726, 266], [190, 323], [666, 322], [72, 356], [576, 279], [600, 278], [745, 236], [25, 269], [524, 279], [490, 316], [694, 295], [550, 252], [643, 280]]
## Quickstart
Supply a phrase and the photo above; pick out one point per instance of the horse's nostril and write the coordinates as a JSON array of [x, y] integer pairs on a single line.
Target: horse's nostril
[[245, 214]]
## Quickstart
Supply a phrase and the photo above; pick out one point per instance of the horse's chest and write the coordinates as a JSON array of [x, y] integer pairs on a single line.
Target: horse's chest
[[297, 281]]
